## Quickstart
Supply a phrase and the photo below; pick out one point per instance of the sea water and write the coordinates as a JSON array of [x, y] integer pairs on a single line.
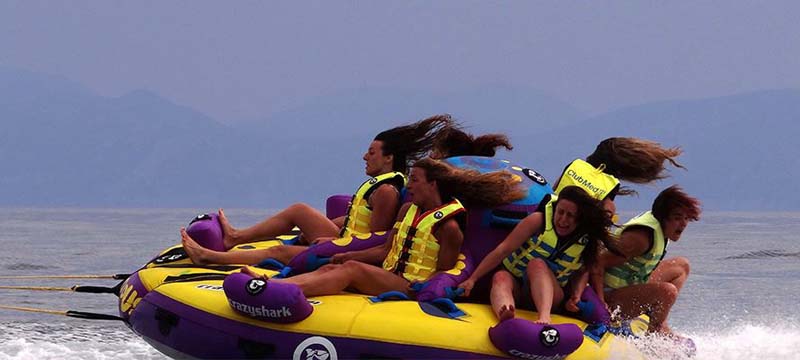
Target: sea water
[[741, 300]]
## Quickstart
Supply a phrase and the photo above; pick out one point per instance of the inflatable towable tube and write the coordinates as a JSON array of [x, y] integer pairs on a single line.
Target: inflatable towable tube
[[182, 310]]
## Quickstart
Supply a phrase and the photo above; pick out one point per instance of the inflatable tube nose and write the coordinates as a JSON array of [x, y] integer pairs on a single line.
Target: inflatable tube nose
[[522, 338], [206, 231], [266, 300]]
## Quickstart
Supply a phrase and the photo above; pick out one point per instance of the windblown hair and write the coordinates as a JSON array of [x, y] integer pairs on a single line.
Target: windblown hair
[[470, 186], [409, 143], [635, 160], [455, 142], [673, 198], [592, 220]]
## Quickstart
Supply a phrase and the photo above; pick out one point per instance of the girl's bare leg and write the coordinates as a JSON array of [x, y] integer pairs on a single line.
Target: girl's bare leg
[[504, 289], [673, 270], [654, 298], [545, 291], [334, 278], [202, 256], [311, 222]]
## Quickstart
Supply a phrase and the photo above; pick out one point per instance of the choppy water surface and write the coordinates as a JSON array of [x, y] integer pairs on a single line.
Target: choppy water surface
[[740, 301]]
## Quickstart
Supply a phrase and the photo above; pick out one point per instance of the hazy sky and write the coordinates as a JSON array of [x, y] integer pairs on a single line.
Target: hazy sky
[[247, 60]]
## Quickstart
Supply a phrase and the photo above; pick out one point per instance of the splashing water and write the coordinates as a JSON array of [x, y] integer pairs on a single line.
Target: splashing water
[[740, 342], [750, 341], [73, 340]]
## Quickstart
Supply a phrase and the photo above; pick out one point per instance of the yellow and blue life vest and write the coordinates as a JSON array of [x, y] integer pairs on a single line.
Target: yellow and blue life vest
[[638, 269], [582, 174], [415, 250], [359, 212], [562, 261]]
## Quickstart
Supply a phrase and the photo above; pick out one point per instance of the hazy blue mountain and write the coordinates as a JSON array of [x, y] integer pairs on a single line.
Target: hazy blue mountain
[[362, 112], [62, 145], [740, 150]]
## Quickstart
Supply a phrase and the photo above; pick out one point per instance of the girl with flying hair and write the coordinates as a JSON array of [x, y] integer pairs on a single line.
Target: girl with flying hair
[[372, 209], [546, 255], [438, 193], [635, 277], [456, 142], [618, 158]]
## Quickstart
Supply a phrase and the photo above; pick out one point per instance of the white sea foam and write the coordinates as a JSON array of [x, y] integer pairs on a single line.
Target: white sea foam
[[750, 341], [739, 342], [24, 341], [22, 349]]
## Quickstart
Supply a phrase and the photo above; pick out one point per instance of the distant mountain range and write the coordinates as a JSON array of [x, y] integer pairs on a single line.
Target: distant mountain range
[[740, 151], [62, 145]]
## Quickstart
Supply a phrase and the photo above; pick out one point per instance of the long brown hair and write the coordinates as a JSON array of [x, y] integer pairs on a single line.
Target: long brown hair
[[592, 220], [408, 143], [456, 142], [635, 160], [472, 187], [673, 198]]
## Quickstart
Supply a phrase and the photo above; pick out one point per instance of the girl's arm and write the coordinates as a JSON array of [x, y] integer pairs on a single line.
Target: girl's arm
[[577, 283], [450, 239], [596, 274], [633, 241]]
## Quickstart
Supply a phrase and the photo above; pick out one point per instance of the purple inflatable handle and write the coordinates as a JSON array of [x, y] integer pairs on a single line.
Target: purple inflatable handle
[[337, 205], [592, 310], [266, 300], [206, 231], [522, 338], [308, 260], [436, 287]]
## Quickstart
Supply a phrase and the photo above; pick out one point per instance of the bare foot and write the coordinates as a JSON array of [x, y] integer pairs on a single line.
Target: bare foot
[[543, 319], [197, 253], [506, 312], [246, 270], [230, 236]]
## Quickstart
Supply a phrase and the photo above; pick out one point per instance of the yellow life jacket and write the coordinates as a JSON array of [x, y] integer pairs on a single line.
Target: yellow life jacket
[[638, 269], [580, 173], [415, 250], [562, 261], [358, 212]]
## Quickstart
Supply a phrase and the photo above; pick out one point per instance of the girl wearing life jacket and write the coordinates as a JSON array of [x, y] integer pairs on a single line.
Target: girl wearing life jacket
[[635, 278], [455, 142], [426, 239], [547, 250], [372, 209], [618, 158]]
